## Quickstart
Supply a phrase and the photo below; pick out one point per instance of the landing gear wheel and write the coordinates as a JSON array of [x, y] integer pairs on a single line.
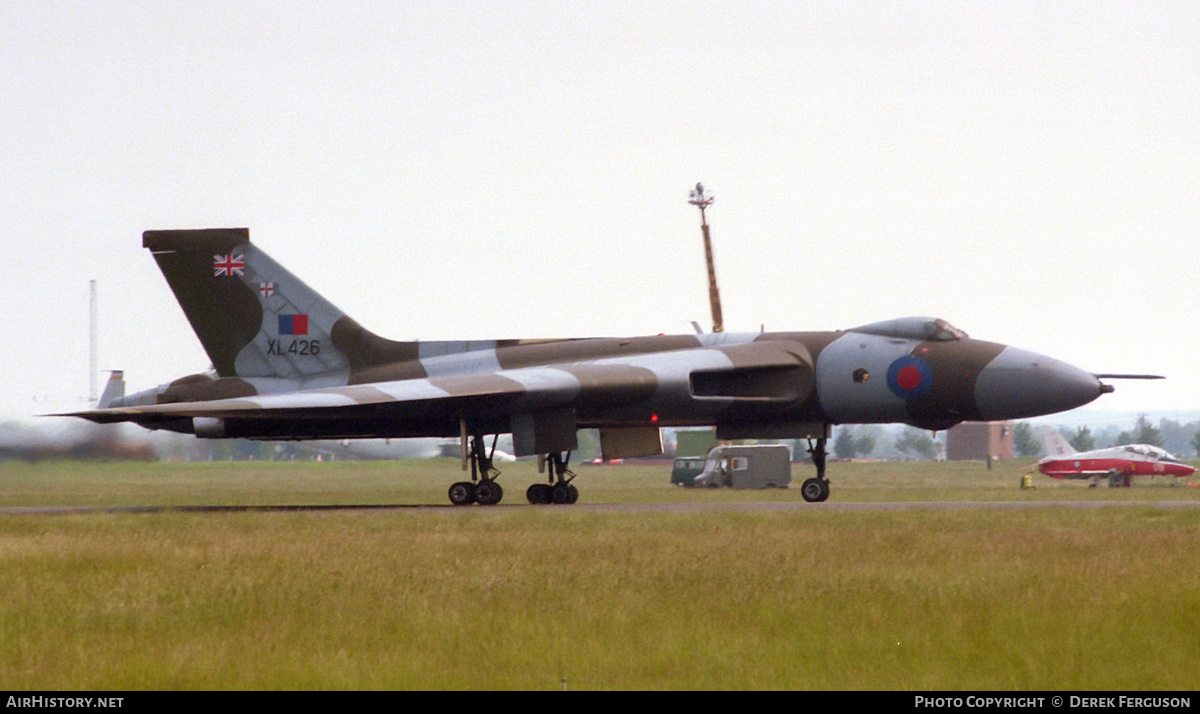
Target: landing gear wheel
[[462, 493], [563, 492], [539, 493], [815, 490], [488, 492]]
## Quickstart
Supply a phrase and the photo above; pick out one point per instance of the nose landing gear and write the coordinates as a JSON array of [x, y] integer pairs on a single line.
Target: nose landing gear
[[816, 489]]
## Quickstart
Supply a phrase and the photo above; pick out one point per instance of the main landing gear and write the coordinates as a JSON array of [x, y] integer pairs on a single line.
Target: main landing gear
[[816, 489], [484, 490], [559, 489]]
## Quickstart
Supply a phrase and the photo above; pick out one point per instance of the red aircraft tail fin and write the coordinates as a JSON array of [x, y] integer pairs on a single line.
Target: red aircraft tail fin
[[1056, 444]]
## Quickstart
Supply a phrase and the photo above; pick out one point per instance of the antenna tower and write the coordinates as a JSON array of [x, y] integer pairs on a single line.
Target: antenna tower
[[703, 201]]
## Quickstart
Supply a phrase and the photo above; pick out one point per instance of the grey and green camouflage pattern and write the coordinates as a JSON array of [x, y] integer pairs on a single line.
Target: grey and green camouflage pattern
[[290, 365]]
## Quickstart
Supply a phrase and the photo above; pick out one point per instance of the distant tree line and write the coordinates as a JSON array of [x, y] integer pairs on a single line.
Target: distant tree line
[[871, 441]]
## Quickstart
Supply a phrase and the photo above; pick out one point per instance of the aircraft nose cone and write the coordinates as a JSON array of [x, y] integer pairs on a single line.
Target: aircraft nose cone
[[1019, 384]]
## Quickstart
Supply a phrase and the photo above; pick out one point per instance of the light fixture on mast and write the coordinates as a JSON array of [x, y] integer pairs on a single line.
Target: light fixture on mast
[[699, 199]]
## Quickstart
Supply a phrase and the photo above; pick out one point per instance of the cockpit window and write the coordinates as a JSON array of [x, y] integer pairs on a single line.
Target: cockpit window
[[930, 329], [1152, 451], [1162, 454], [947, 332]]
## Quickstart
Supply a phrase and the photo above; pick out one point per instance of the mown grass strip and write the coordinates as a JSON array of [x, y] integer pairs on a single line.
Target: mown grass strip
[[1055, 597]]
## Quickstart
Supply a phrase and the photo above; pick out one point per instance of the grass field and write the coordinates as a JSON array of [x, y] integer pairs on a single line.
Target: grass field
[[966, 587]]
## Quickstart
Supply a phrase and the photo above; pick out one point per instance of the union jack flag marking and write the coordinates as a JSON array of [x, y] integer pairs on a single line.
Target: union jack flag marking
[[228, 265]]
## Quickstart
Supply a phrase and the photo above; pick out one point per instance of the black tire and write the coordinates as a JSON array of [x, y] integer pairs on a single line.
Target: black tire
[[488, 493], [462, 493], [814, 490], [561, 493], [538, 493]]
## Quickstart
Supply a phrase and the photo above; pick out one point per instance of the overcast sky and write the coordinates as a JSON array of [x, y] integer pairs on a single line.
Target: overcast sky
[[1029, 171]]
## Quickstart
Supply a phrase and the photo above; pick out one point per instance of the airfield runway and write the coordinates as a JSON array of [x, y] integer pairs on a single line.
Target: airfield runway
[[627, 507]]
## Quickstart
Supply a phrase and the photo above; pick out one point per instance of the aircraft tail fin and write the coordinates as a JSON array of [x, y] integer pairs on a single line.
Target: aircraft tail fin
[[253, 317], [1056, 444], [114, 388]]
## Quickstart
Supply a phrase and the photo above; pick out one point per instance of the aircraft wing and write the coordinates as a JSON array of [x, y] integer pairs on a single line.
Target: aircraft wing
[[614, 391], [463, 395]]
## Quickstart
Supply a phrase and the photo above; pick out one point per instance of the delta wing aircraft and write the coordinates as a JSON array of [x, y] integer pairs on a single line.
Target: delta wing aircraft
[[289, 365], [1119, 463]]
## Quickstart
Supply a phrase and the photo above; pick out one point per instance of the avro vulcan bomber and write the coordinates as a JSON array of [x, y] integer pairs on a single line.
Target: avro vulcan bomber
[[288, 365]]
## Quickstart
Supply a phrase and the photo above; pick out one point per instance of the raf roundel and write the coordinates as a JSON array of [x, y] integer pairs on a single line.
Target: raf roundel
[[910, 377]]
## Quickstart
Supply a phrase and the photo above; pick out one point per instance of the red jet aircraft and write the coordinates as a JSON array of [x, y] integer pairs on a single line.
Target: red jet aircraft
[[1119, 463]]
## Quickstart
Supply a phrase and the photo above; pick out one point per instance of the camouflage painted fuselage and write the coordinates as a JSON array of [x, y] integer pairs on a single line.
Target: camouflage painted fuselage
[[289, 365]]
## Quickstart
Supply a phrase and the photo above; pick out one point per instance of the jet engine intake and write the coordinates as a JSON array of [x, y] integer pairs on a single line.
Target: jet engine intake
[[209, 428]]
